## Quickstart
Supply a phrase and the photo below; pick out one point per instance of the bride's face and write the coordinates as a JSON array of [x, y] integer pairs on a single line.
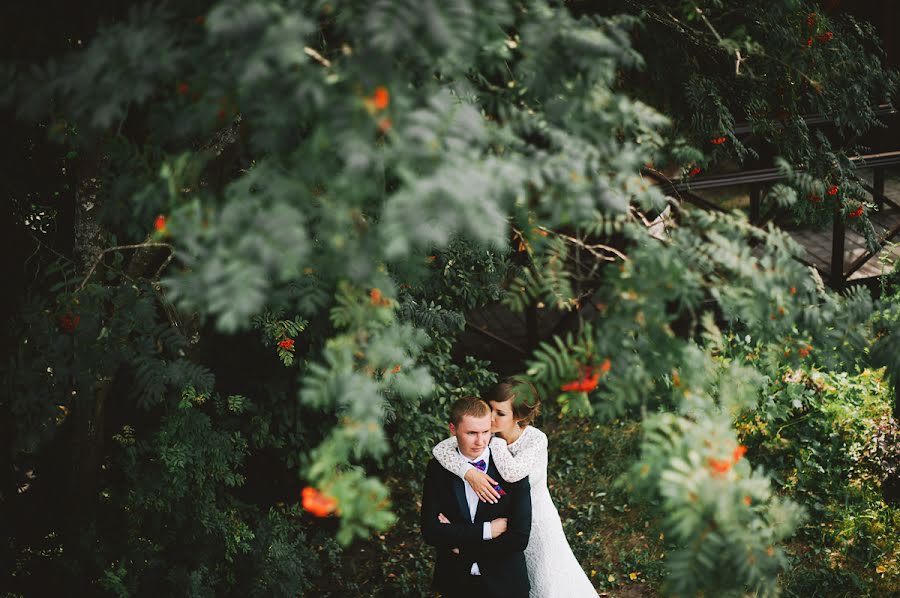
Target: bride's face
[[502, 421]]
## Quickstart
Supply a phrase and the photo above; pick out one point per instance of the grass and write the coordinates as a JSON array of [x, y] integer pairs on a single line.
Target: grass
[[848, 547], [615, 541]]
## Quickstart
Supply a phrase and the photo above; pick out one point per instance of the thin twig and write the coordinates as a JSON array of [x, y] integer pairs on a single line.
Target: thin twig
[[593, 249], [494, 337], [317, 57], [636, 212], [737, 62], [156, 291], [708, 24], [674, 23], [53, 251], [737, 53], [164, 264], [121, 248]]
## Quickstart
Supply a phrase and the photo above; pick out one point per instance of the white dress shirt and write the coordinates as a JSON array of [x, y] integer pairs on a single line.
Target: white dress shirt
[[472, 500]]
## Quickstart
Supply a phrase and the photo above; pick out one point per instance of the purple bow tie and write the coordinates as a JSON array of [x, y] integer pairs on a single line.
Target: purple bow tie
[[480, 464]]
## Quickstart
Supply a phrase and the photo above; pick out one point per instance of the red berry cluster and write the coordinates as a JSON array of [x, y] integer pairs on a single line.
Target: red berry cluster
[[831, 192], [318, 503], [723, 466], [717, 140], [590, 377], [378, 102], [68, 322], [811, 21]]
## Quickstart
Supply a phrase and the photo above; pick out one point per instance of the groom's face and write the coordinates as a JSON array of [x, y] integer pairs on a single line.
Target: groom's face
[[473, 434]]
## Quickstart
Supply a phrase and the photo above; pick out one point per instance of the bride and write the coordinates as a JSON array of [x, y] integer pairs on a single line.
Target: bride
[[519, 449]]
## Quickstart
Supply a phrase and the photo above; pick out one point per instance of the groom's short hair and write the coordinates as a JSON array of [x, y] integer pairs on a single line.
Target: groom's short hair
[[468, 406]]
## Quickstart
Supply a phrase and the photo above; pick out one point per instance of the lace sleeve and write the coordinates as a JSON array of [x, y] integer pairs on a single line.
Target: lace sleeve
[[515, 467], [446, 454]]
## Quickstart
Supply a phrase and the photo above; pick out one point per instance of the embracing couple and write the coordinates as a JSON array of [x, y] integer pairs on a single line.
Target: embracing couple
[[487, 509]]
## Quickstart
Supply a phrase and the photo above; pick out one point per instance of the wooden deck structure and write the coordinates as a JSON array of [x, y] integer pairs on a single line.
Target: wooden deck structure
[[839, 253], [859, 264], [818, 245]]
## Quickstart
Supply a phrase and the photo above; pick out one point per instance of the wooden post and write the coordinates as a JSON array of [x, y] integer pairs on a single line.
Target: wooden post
[[878, 184], [755, 200], [837, 252]]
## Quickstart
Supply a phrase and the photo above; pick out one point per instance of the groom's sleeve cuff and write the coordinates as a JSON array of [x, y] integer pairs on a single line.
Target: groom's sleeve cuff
[[486, 534]]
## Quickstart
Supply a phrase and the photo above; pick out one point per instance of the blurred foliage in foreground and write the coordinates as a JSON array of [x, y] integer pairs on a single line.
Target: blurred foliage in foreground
[[281, 214]]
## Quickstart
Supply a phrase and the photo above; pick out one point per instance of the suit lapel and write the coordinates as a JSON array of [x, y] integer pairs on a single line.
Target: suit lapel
[[459, 490], [483, 507]]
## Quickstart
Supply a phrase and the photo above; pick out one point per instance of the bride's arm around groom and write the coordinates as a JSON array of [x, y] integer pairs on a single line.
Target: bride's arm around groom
[[480, 545]]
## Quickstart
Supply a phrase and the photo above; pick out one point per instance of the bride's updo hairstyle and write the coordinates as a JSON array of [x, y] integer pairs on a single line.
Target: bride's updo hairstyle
[[525, 400]]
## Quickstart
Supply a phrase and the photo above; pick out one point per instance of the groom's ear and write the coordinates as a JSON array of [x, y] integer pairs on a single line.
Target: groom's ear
[[452, 429]]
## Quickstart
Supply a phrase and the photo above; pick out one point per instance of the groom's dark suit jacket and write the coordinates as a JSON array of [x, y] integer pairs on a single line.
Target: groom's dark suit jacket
[[500, 560]]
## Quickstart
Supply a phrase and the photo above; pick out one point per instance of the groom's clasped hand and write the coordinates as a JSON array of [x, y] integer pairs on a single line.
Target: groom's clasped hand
[[498, 526], [480, 529], [481, 496]]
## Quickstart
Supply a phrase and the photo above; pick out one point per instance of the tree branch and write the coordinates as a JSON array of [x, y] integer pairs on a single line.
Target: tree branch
[[124, 247]]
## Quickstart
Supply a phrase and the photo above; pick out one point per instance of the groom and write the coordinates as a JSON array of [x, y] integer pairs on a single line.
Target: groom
[[481, 548]]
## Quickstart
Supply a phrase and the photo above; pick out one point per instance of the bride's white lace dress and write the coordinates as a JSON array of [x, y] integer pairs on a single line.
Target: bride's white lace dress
[[552, 568]]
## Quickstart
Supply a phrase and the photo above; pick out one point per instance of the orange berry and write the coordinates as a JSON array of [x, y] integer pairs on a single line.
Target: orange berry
[[381, 98], [317, 503], [719, 466]]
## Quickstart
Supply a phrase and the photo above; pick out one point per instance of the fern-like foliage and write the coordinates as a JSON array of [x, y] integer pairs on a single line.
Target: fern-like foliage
[[346, 184]]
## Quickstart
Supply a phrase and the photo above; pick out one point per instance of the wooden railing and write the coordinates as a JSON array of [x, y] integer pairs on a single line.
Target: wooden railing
[[814, 120], [759, 178]]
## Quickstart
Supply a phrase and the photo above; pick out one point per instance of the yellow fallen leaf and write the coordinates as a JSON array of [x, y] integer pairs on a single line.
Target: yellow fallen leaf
[[880, 569], [611, 578], [593, 572], [634, 575]]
